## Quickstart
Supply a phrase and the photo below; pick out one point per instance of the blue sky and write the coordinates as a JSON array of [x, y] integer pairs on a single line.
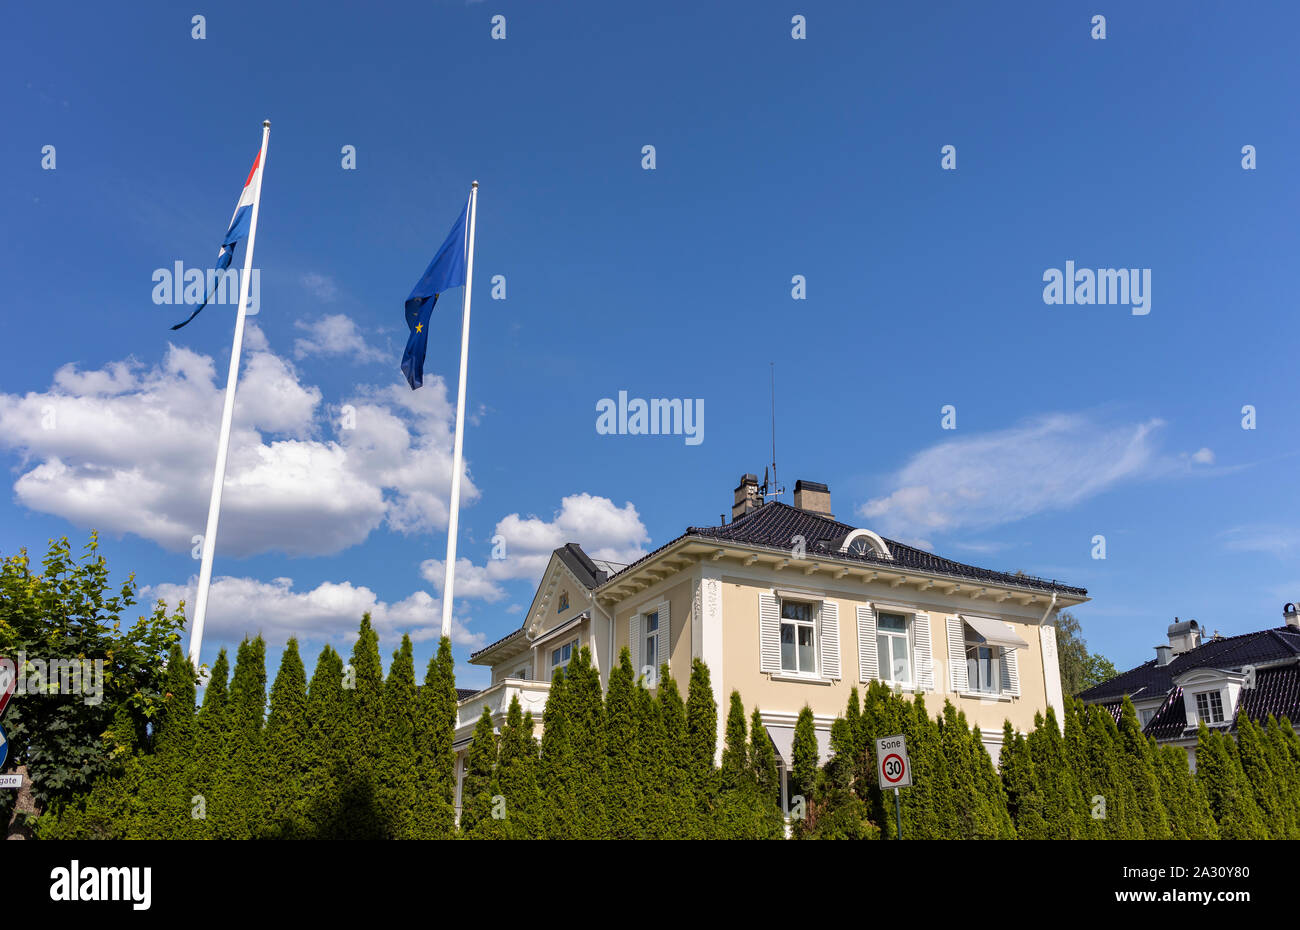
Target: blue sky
[[774, 158]]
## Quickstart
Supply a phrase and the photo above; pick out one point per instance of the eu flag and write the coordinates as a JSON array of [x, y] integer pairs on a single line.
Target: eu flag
[[447, 270]]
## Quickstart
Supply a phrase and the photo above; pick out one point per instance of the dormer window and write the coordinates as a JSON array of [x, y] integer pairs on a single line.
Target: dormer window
[[1209, 707]]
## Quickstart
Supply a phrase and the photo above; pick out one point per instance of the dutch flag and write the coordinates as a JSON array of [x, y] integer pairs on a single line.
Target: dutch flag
[[238, 230]]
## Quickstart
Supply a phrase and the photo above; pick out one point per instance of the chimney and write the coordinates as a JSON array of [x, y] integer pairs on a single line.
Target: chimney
[[813, 496], [1184, 636], [1291, 616], [747, 498], [1163, 654]]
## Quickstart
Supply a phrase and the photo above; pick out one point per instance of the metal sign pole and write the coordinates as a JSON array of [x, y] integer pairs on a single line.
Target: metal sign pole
[[898, 811]]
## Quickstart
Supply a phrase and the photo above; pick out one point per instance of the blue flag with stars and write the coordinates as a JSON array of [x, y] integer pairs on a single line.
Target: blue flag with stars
[[447, 270]]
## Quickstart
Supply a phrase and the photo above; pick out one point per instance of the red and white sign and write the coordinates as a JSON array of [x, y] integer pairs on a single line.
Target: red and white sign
[[892, 764]]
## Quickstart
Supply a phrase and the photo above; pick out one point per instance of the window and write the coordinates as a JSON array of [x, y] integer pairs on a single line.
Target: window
[[983, 668], [1209, 706], [522, 673], [1144, 716], [893, 651], [797, 637], [651, 641], [560, 657]]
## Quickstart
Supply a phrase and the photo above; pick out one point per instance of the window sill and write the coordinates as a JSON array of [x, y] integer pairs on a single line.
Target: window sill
[[987, 695], [802, 679]]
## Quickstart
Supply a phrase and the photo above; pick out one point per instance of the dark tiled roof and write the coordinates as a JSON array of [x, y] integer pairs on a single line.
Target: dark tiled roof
[[511, 635], [776, 524], [462, 693], [581, 565], [1276, 691], [1149, 679]]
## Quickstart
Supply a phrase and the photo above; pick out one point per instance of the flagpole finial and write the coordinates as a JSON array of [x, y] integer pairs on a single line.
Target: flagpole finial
[[266, 123], [473, 184]]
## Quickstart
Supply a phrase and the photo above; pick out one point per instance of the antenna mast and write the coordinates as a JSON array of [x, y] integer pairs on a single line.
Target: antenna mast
[[776, 488]]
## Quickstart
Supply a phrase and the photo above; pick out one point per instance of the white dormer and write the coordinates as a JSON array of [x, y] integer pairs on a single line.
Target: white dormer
[[1210, 694]]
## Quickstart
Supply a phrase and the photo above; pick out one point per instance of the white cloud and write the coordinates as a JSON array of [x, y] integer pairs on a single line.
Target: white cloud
[[329, 612], [129, 448], [471, 581], [320, 286], [1203, 456], [1050, 463], [1273, 539], [604, 531], [335, 334]]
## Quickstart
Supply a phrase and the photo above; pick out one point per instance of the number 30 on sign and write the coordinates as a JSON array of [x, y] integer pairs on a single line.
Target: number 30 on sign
[[892, 763]]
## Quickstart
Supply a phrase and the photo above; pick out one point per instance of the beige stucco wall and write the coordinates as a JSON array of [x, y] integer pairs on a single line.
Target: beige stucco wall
[[741, 672], [679, 592]]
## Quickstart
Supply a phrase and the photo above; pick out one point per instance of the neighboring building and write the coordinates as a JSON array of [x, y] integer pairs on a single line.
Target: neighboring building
[[790, 607], [1191, 680]]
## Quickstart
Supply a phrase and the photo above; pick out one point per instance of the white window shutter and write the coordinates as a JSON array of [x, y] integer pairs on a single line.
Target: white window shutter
[[868, 665], [924, 651], [634, 643], [829, 635], [957, 677], [769, 634], [1010, 673], [662, 637]]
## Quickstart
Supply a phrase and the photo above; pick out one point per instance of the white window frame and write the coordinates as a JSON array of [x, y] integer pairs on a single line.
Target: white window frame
[[1210, 696], [814, 609], [907, 636], [649, 639], [572, 646]]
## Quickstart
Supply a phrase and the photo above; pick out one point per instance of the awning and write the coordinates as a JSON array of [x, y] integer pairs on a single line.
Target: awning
[[783, 740], [995, 632]]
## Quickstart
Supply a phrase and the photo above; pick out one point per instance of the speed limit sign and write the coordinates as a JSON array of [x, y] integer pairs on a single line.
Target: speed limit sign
[[892, 764]]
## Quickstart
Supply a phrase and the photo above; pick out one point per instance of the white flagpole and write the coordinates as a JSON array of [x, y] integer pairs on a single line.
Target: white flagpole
[[449, 578], [227, 414]]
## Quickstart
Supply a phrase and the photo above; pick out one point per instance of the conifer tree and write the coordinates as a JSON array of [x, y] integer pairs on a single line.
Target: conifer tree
[[767, 780], [210, 730], [837, 812], [517, 774], [479, 788], [1190, 817], [283, 764], [1218, 769], [803, 768], [360, 813], [735, 751], [397, 779], [1265, 786], [326, 724], [1140, 773], [1078, 764], [701, 728], [1284, 755], [1024, 794], [587, 739], [649, 764], [679, 814], [1053, 775], [435, 731], [559, 775], [623, 786], [158, 804]]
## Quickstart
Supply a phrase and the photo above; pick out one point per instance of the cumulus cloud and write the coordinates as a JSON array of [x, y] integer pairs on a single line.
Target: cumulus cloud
[[335, 334], [1203, 456], [605, 531], [329, 612], [320, 286], [471, 581], [129, 448], [1050, 463]]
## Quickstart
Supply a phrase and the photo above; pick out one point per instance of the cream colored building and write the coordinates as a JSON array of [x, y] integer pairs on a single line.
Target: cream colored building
[[790, 607]]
